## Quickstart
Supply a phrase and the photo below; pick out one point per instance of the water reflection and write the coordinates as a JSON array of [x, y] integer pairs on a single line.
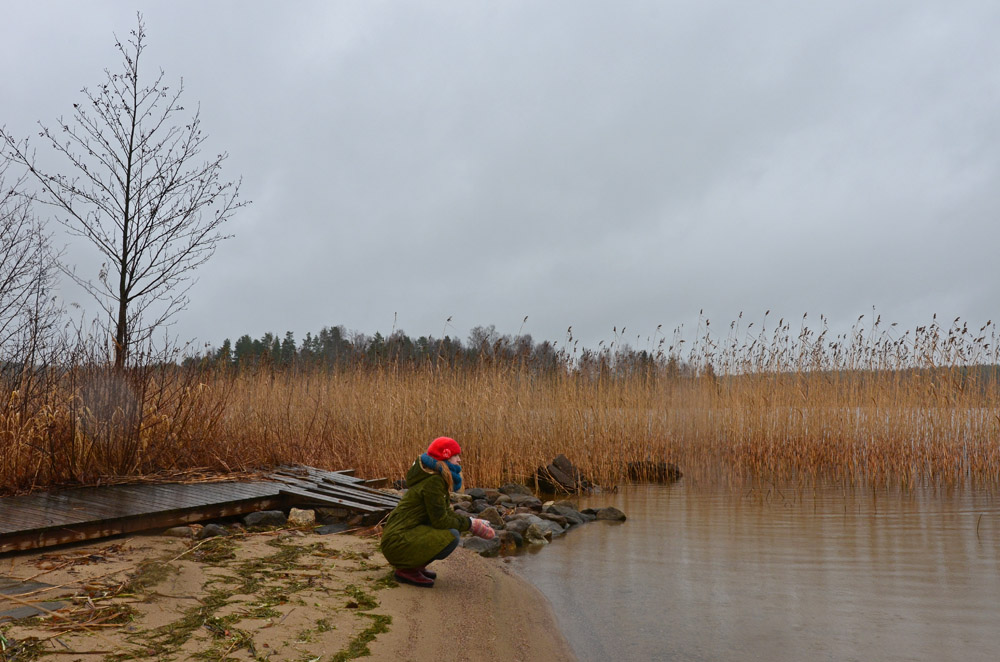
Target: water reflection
[[698, 574]]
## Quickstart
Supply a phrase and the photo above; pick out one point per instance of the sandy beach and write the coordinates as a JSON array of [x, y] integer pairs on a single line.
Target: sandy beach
[[279, 595]]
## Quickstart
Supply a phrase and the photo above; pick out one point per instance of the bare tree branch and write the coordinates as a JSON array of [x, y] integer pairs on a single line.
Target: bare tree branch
[[139, 192]]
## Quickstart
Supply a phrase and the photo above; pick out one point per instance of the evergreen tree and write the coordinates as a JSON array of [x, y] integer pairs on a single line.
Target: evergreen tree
[[288, 349], [225, 354]]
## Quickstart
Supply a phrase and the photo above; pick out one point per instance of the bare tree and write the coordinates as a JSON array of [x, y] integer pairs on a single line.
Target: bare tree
[[139, 192], [27, 274], [29, 314]]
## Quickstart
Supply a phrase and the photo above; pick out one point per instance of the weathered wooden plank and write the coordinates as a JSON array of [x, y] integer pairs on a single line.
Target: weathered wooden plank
[[312, 489], [44, 519], [344, 476], [318, 479], [164, 496], [106, 528], [10, 521], [332, 477], [73, 507], [348, 474], [386, 500], [96, 504], [32, 514], [106, 503], [312, 497]]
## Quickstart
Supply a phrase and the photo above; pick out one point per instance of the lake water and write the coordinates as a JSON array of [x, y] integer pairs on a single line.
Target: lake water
[[709, 574]]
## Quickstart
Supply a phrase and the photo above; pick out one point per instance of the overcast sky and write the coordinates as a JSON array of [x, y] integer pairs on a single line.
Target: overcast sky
[[589, 164]]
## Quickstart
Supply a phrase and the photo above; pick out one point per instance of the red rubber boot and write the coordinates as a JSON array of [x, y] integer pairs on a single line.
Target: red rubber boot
[[413, 576]]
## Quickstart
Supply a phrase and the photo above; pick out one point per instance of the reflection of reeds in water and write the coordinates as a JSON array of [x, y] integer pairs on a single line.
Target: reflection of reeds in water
[[863, 408]]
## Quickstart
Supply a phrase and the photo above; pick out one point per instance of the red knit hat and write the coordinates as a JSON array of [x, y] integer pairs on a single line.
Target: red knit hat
[[444, 448]]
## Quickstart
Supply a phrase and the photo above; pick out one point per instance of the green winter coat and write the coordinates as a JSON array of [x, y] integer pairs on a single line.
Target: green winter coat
[[417, 529]]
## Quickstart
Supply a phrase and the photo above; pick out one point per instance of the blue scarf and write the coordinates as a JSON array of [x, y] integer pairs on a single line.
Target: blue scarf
[[432, 464]]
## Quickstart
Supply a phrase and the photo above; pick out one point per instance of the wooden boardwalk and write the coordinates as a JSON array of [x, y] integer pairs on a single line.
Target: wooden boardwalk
[[54, 518]]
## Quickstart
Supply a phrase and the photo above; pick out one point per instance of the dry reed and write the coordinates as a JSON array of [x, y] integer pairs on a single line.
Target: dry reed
[[865, 407]]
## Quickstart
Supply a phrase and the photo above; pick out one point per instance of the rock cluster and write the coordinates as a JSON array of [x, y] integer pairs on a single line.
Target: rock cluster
[[520, 518]]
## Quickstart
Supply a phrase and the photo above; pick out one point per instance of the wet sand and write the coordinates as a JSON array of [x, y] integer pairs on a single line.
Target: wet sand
[[479, 609]]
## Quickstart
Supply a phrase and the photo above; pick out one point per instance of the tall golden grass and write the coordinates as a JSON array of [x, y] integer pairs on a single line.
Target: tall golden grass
[[866, 407]]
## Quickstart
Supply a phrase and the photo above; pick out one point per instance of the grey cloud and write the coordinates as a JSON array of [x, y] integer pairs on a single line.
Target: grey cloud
[[582, 163]]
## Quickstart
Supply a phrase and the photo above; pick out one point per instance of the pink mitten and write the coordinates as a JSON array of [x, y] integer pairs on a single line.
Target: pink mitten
[[482, 529]]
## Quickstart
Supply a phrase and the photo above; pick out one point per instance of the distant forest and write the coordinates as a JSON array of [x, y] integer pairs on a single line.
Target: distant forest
[[337, 347]]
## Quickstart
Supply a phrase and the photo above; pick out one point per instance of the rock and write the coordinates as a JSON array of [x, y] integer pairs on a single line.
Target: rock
[[503, 498], [300, 517], [326, 514], [510, 489], [558, 519], [567, 512], [535, 536], [476, 493], [526, 501], [482, 547], [179, 532], [560, 479], [457, 497], [492, 495], [265, 518], [514, 536], [336, 527], [610, 514], [561, 475], [520, 524], [478, 506], [553, 529], [212, 531], [509, 542], [491, 515], [562, 463]]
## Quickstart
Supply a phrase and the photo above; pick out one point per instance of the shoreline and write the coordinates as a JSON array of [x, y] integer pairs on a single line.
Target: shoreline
[[275, 595], [478, 609]]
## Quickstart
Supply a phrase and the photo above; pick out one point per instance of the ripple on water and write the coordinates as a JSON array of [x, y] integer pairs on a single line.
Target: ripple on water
[[703, 574]]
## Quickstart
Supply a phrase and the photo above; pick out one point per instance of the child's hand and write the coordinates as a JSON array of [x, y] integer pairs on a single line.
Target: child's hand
[[482, 529]]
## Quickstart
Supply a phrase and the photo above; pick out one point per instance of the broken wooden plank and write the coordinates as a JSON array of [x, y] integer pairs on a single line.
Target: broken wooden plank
[[340, 492], [313, 498], [389, 501], [333, 478]]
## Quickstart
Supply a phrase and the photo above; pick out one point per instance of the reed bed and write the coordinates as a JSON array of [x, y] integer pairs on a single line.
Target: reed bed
[[864, 408]]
